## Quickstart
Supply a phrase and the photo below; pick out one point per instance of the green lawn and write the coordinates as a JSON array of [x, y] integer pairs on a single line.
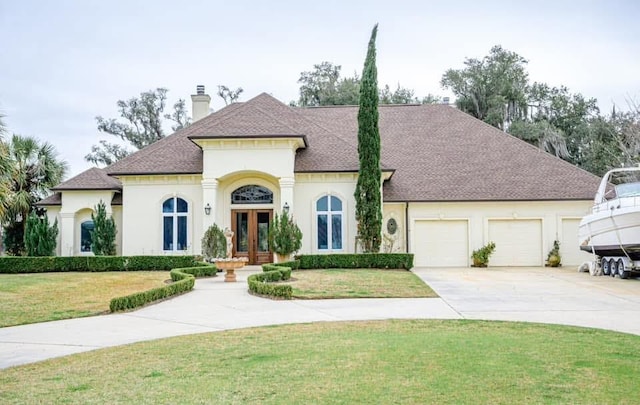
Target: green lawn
[[358, 283], [408, 362], [29, 298]]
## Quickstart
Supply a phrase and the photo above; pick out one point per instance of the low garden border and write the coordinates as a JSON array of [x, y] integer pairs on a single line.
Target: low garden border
[[183, 281], [260, 283], [53, 264]]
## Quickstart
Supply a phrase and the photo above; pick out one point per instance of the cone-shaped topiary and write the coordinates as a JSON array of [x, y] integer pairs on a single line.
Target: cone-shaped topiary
[[214, 244], [39, 237], [103, 236], [367, 194], [284, 235]]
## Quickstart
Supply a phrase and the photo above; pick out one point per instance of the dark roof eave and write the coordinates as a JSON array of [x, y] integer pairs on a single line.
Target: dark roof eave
[[401, 200], [300, 136], [115, 174], [86, 188]]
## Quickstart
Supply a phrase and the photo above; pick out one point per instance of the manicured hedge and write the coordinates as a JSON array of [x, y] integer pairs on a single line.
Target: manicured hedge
[[13, 265], [204, 270], [294, 265], [184, 280], [357, 261], [259, 283]]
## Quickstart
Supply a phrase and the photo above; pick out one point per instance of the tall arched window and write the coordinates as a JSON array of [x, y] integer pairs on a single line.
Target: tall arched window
[[85, 236], [329, 220], [174, 224]]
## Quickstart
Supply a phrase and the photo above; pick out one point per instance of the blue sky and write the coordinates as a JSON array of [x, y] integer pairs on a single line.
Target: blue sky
[[63, 63]]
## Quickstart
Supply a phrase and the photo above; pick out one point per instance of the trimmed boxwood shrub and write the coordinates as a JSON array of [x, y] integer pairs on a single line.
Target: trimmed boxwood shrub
[[205, 270], [357, 261], [259, 283], [184, 280], [52, 264]]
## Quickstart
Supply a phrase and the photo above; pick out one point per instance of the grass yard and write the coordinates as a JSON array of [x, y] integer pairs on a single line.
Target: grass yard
[[358, 283], [29, 298], [409, 362]]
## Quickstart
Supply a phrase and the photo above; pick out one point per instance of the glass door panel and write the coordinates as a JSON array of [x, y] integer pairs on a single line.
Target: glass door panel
[[242, 232], [263, 231]]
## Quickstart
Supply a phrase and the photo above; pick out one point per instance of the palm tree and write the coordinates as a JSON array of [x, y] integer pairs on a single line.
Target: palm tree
[[5, 170], [33, 170]]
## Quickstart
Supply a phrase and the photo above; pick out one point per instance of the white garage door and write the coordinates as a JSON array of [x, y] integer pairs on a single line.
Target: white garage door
[[518, 242], [441, 243], [569, 245]]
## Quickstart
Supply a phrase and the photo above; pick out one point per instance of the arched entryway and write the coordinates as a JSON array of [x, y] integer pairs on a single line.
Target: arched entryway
[[251, 225]]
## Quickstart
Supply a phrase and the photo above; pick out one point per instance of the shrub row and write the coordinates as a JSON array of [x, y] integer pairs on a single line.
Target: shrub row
[[259, 283], [203, 270], [356, 261], [183, 281], [13, 265]]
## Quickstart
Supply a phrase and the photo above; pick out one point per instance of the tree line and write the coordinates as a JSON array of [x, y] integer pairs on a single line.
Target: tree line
[[495, 89]]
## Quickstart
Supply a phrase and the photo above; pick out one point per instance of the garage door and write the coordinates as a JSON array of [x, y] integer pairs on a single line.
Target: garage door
[[518, 242], [569, 246], [441, 243]]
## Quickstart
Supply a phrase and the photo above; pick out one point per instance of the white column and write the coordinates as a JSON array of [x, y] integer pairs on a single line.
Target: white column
[[286, 192], [210, 197], [67, 232]]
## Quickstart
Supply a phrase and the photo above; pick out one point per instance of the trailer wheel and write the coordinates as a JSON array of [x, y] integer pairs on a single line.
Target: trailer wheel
[[612, 267], [620, 268], [606, 270]]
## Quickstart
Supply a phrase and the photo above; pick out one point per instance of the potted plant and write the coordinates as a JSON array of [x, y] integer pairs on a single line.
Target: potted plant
[[481, 256], [553, 258], [285, 237], [214, 244]]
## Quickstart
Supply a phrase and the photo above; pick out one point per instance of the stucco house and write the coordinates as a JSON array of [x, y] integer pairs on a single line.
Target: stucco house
[[451, 184]]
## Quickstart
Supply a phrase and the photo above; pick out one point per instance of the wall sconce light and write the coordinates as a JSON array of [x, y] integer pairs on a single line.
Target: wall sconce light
[[207, 209], [285, 207]]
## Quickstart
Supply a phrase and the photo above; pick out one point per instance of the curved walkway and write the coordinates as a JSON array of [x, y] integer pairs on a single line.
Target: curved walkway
[[558, 296]]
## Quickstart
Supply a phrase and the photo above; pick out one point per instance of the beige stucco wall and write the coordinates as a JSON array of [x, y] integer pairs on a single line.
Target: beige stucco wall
[[309, 187], [478, 215], [142, 211], [77, 207], [393, 243]]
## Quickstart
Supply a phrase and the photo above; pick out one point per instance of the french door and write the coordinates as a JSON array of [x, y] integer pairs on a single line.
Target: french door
[[251, 235]]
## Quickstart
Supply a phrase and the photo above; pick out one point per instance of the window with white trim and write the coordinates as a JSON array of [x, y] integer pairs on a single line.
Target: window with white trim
[[329, 223], [174, 224]]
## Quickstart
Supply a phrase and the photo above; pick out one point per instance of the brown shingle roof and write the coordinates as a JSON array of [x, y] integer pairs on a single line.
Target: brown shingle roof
[[441, 153], [53, 199], [94, 178], [56, 199], [438, 153]]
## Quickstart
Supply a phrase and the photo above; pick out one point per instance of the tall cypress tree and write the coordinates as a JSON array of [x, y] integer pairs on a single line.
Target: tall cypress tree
[[367, 195]]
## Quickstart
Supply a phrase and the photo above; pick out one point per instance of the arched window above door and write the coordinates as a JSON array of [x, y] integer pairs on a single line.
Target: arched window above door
[[252, 194]]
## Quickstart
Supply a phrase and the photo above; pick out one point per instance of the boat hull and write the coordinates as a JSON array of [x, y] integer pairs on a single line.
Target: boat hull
[[613, 230]]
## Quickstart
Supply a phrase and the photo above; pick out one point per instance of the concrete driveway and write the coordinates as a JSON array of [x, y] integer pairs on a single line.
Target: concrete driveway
[[560, 296], [547, 295]]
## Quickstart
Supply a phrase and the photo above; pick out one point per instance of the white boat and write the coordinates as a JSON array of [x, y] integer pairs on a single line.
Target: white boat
[[612, 230]]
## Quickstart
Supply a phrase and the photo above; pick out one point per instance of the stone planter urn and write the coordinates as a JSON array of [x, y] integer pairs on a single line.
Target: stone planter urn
[[230, 266]]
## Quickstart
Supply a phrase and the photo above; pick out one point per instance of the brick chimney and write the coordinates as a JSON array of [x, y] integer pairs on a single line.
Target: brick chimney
[[199, 104]]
